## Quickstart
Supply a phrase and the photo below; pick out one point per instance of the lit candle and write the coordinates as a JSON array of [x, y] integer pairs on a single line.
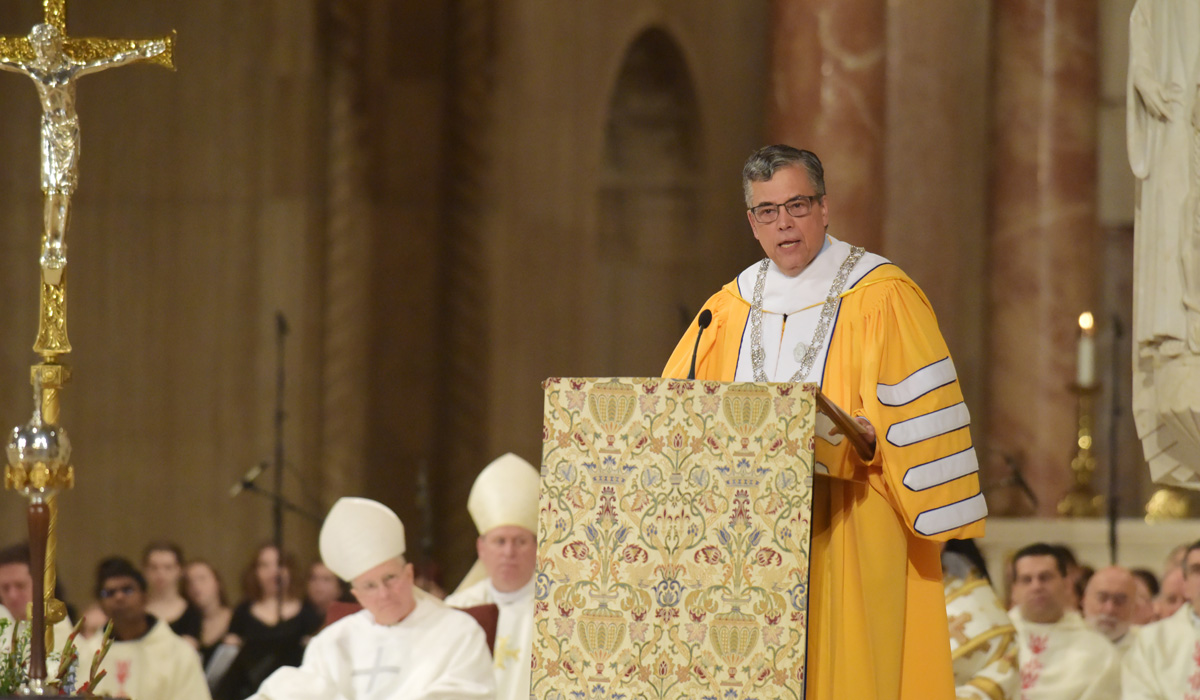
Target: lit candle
[[1085, 360]]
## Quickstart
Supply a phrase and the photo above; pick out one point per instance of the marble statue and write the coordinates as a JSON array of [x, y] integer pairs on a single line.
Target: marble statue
[[1163, 133]]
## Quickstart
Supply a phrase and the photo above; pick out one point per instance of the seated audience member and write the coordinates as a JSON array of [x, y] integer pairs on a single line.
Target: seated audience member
[[1061, 657], [16, 593], [983, 647], [1075, 572], [403, 643], [205, 592], [1171, 594], [324, 587], [147, 660], [271, 630], [1147, 591], [1108, 603], [1164, 661], [162, 564]]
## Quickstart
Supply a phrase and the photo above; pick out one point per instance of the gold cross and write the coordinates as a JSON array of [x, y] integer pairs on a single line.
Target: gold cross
[[82, 50]]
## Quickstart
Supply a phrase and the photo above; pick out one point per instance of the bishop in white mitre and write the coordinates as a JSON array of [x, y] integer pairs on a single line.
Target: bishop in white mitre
[[1164, 661], [1061, 658], [504, 505], [403, 644]]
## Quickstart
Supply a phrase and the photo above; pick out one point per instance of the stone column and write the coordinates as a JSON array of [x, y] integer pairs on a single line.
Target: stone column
[[827, 94], [1044, 233]]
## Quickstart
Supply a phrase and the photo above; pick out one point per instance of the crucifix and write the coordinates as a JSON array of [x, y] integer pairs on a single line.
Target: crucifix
[[39, 452], [373, 672]]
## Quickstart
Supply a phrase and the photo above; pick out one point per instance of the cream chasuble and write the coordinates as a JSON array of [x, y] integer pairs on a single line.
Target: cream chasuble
[[159, 665], [1066, 660], [514, 634], [1163, 663], [983, 645], [436, 653]]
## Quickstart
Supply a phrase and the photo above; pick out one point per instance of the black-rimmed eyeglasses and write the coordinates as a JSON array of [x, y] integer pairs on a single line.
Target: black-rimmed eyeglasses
[[798, 206]]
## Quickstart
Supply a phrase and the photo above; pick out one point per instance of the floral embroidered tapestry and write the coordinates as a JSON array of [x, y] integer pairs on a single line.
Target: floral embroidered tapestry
[[673, 540]]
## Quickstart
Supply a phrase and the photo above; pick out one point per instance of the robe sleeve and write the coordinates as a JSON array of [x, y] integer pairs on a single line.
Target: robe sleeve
[[924, 463], [188, 677], [1138, 678], [467, 672], [1107, 682]]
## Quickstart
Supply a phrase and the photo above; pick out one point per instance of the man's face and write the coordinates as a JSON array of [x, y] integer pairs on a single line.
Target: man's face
[[1143, 604], [1108, 602], [1171, 595], [162, 571], [790, 242], [509, 553], [1040, 588], [323, 586], [16, 588], [386, 591], [1191, 578], [122, 599]]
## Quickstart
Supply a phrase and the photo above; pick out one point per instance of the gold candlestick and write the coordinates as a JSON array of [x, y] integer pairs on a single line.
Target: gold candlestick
[[1081, 500]]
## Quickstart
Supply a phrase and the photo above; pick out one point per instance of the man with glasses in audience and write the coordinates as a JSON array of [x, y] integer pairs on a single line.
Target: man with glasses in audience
[[819, 310], [147, 659]]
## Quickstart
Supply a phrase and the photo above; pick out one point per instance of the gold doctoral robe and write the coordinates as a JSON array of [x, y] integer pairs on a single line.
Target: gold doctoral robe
[[877, 621]]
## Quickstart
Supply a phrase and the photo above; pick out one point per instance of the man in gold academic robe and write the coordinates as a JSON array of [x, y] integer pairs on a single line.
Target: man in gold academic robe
[[818, 310]]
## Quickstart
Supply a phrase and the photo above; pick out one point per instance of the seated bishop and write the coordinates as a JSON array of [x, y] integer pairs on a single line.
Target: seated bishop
[[403, 644], [504, 505], [1163, 663], [1061, 657]]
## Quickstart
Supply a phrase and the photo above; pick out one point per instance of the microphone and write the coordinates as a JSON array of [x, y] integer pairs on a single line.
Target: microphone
[[248, 479], [703, 321]]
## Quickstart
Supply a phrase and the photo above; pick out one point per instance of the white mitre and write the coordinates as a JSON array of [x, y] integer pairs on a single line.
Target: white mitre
[[358, 535], [505, 493]]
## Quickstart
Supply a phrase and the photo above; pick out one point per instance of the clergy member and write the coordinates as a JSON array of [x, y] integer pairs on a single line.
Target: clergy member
[[819, 310], [404, 644], [147, 660], [16, 594], [504, 505], [1171, 595], [1108, 605], [1164, 661], [1061, 657]]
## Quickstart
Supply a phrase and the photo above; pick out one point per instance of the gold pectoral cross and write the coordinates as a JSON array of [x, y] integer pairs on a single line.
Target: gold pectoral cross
[[83, 50]]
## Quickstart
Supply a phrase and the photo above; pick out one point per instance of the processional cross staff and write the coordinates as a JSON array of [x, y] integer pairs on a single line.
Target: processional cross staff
[[39, 452]]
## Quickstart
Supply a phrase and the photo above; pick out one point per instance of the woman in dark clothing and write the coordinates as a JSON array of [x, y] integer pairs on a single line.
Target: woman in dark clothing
[[162, 565], [270, 626]]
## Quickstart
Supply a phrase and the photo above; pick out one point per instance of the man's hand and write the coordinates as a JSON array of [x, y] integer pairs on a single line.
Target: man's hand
[[868, 429]]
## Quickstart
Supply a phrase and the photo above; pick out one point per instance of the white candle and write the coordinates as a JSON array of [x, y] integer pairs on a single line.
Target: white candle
[[1085, 359]]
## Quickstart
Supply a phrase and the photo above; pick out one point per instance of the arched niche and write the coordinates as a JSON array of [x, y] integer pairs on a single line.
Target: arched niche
[[648, 206]]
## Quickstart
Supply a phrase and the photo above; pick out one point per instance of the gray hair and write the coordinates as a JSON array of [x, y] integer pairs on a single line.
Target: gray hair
[[766, 161]]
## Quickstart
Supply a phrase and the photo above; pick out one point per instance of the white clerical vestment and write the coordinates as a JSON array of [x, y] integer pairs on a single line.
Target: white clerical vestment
[[983, 647], [159, 665], [1065, 660], [1164, 661], [436, 653], [514, 634]]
